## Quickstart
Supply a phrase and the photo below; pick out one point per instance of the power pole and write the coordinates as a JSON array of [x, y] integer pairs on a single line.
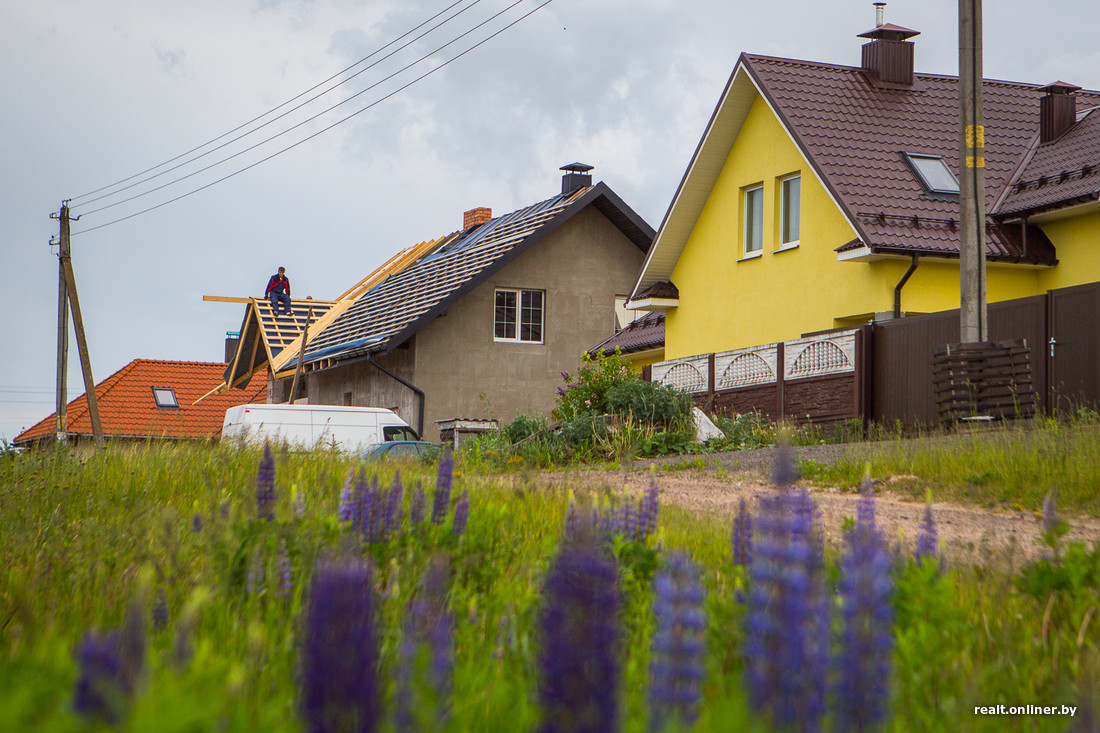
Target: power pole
[[69, 285], [61, 426], [972, 297]]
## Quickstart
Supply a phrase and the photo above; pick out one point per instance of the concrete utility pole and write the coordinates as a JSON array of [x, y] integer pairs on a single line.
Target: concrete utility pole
[[972, 305], [69, 287], [61, 425]]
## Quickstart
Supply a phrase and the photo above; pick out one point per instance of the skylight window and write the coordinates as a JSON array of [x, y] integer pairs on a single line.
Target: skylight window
[[933, 173], [165, 397]]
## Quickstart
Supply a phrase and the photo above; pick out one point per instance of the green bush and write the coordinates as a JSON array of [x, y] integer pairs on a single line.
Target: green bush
[[585, 392], [648, 402]]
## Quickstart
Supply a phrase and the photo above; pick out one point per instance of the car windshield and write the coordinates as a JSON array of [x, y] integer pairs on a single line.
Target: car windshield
[[404, 450], [398, 432]]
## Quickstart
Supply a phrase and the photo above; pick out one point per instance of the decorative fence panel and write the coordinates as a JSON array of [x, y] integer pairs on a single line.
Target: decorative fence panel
[[811, 379]]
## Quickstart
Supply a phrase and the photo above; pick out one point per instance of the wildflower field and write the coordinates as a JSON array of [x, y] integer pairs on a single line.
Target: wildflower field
[[197, 588]]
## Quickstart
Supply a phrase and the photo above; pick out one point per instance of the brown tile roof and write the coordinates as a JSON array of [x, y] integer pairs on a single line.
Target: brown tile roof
[[127, 408], [1061, 171], [854, 134], [648, 332]]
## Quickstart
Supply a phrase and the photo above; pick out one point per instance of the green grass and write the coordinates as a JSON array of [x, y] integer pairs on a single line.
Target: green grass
[[1011, 467], [81, 537]]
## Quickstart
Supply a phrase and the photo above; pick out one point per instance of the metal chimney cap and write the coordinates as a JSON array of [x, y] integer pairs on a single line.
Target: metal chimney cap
[[577, 168]]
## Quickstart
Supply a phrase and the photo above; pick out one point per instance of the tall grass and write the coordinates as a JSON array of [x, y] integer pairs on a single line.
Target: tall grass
[[1014, 467], [79, 535]]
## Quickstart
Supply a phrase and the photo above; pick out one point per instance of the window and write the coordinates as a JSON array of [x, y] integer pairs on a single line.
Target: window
[[790, 209], [165, 397], [754, 220], [933, 173], [518, 316], [398, 432], [624, 317]]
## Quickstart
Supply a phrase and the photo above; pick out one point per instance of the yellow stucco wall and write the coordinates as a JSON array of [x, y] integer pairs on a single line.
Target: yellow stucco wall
[[1077, 240], [728, 301]]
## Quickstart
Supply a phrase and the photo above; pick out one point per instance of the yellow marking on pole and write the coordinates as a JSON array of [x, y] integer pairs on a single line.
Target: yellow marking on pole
[[975, 162], [979, 142]]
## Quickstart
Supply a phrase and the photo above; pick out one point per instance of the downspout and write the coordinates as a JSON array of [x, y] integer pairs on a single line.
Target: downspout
[[901, 284], [419, 394]]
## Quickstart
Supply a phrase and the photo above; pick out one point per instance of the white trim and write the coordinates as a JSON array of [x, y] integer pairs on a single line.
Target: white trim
[[751, 256], [752, 188], [519, 316], [786, 247], [652, 304], [779, 184]]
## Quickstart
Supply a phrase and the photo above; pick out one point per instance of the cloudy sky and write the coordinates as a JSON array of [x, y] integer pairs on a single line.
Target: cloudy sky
[[96, 92]]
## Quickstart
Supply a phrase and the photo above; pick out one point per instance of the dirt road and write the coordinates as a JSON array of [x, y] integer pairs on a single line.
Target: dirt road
[[968, 534]]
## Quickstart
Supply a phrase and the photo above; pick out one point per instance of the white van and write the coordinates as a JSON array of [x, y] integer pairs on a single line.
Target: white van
[[349, 429]]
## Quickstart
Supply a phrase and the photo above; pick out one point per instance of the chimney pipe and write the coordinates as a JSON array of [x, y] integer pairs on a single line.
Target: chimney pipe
[[879, 8], [577, 176], [1057, 110], [888, 57]]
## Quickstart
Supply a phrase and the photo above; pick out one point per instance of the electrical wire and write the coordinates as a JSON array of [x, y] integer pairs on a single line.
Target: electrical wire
[[280, 106], [319, 132], [270, 121], [308, 119]]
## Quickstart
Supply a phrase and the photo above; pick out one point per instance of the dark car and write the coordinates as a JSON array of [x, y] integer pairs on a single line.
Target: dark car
[[403, 450]]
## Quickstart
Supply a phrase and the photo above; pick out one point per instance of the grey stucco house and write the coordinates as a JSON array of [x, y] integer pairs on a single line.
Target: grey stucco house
[[477, 324]]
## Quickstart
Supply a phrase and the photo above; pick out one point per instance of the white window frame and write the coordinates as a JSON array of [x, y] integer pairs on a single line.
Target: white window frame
[[748, 194], [520, 294], [784, 205]]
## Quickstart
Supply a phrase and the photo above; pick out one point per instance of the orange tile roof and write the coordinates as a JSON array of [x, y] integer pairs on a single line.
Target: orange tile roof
[[127, 408]]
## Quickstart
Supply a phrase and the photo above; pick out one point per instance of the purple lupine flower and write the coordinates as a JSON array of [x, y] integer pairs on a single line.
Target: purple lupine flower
[[393, 507], [284, 571], [371, 512], [742, 535], [358, 499], [561, 392], [462, 514], [865, 505], [100, 692], [676, 666], [867, 636], [111, 666], [265, 486], [928, 539], [442, 499], [196, 523], [787, 620], [347, 498], [416, 506], [784, 472], [426, 673], [160, 611], [339, 655], [1051, 520], [648, 512], [579, 665], [565, 376]]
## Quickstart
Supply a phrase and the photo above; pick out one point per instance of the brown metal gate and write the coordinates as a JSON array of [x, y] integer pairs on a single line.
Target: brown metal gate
[[1072, 348]]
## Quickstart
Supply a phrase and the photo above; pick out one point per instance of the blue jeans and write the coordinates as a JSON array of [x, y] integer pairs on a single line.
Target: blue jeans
[[277, 298]]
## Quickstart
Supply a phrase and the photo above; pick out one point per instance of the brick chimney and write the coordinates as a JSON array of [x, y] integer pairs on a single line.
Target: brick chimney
[[476, 217], [577, 176], [1057, 110], [888, 57]]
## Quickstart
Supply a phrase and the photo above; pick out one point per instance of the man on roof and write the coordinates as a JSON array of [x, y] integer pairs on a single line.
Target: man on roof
[[278, 291]]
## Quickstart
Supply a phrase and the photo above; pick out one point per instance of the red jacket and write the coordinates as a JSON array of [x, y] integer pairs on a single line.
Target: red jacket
[[278, 284]]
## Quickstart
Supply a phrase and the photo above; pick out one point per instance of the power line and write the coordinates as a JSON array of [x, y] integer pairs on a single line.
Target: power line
[[280, 106], [272, 120], [321, 131], [307, 120]]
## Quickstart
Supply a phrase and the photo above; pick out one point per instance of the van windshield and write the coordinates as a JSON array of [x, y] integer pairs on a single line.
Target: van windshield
[[398, 432]]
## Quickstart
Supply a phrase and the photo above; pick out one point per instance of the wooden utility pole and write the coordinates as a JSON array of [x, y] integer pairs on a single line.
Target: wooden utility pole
[[69, 285], [972, 297]]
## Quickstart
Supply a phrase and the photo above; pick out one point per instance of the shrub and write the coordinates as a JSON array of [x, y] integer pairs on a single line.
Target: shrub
[[653, 404]]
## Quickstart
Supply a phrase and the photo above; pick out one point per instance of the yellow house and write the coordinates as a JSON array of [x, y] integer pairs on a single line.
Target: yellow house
[[824, 196]]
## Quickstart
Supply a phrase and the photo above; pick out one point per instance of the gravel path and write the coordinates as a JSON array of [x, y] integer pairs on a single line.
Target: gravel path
[[968, 534]]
